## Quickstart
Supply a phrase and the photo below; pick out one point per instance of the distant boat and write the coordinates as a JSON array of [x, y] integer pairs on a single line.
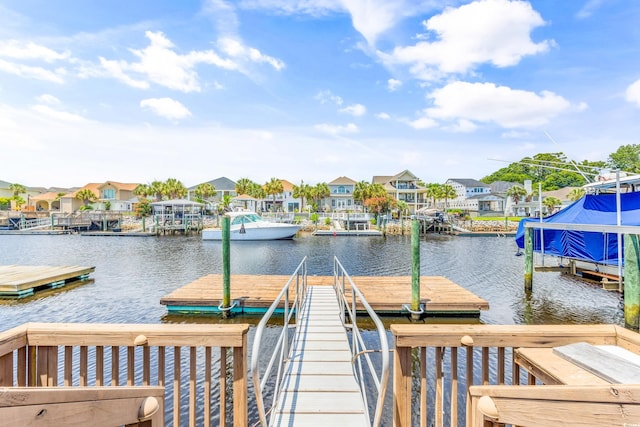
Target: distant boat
[[248, 225]]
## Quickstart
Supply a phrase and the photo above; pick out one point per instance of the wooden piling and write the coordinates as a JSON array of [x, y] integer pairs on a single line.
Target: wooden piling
[[528, 259], [632, 281], [415, 268], [226, 264]]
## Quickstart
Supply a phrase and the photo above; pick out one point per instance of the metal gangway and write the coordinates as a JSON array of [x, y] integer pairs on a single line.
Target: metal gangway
[[320, 372]]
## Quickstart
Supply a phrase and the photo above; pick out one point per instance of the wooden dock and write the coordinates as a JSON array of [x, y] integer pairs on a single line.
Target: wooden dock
[[18, 281], [385, 294], [319, 387]]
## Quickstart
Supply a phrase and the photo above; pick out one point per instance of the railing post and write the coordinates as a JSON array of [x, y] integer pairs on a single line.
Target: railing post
[[240, 399], [402, 387]]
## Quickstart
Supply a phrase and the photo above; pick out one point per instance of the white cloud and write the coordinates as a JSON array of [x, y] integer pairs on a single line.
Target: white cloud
[[393, 85], [488, 103], [166, 107], [325, 96], [48, 99], [485, 31], [336, 129], [38, 73], [30, 51], [633, 93], [422, 123], [64, 116], [162, 65], [383, 116], [357, 110], [237, 50], [589, 8]]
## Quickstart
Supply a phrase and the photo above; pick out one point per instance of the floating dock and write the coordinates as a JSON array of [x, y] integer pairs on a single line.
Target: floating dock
[[254, 294], [19, 281], [347, 233]]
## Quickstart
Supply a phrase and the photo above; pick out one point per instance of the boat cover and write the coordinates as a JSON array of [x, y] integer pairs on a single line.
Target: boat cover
[[588, 246]]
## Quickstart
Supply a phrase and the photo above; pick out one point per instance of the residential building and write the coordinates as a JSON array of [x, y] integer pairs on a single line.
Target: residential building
[[404, 186], [117, 196], [223, 185], [341, 196], [474, 197], [284, 202]]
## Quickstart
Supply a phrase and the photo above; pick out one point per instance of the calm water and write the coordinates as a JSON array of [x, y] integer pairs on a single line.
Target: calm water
[[133, 273]]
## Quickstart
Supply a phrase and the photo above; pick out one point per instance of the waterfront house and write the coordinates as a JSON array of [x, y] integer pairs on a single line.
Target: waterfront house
[[404, 186], [117, 196], [284, 202], [223, 185], [474, 197], [341, 197]]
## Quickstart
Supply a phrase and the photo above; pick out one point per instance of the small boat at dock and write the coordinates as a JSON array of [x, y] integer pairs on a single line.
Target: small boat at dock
[[247, 225]]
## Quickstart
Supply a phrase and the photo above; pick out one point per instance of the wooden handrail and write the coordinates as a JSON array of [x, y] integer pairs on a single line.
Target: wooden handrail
[[547, 405], [69, 354], [487, 353], [73, 406]]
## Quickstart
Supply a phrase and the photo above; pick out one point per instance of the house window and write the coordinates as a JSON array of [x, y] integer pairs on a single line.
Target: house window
[[341, 189], [109, 194]]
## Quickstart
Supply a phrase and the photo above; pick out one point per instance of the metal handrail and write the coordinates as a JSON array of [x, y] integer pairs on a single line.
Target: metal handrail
[[359, 350], [281, 352]]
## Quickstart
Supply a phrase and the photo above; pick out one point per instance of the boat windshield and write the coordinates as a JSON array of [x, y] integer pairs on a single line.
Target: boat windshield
[[244, 219]]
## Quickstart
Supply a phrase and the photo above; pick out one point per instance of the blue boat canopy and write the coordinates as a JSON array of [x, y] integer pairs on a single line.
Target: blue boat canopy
[[597, 247]]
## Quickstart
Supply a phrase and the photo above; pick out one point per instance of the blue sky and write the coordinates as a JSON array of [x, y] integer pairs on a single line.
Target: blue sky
[[135, 91]]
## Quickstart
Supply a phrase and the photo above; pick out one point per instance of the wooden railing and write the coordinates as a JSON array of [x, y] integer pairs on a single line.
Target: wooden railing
[[454, 367], [179, 358]]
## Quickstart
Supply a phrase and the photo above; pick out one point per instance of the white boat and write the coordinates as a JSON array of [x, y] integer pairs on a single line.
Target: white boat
[[251, 226]]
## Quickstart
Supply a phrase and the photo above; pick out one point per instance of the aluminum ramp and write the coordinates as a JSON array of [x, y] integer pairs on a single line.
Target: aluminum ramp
[[319, 386]]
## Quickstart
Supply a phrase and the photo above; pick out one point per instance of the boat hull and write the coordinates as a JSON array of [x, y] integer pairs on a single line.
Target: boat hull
[[270, 232]]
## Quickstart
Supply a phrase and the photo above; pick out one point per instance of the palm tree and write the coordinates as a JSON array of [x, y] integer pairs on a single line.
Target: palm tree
[[447, 192], [576, 194], [433, 192], [174, 189], [272, 188], [320, 191], [301, 192], [87, 196], [551, 203], [243, 186], [516, 193], [17, 189], [377, 190], [205, 190], [142, 190], [361, 192], [156, 189]]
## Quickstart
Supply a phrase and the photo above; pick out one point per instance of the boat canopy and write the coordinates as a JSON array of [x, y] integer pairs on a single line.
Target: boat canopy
[[596, 247]]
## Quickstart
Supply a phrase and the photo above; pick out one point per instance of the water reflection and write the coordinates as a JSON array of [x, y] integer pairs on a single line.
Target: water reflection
[[132, 274]]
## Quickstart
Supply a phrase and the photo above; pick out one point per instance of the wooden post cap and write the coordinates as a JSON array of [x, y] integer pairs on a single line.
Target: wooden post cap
[[141, 340], [487, 407], [467, 340], [148, 407]]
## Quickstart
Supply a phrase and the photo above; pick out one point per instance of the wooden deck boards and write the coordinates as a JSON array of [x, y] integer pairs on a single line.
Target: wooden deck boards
[[23, 280], [384, 293]]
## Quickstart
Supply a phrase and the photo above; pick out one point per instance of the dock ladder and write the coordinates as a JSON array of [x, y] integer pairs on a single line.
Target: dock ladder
[[321, 372]]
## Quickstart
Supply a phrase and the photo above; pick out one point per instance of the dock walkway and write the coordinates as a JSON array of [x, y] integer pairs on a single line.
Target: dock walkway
[[319, 387], [18, 281], [385, 294]]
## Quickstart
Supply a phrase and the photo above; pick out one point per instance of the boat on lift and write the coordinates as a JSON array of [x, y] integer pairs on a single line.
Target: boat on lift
[[248, 225]]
